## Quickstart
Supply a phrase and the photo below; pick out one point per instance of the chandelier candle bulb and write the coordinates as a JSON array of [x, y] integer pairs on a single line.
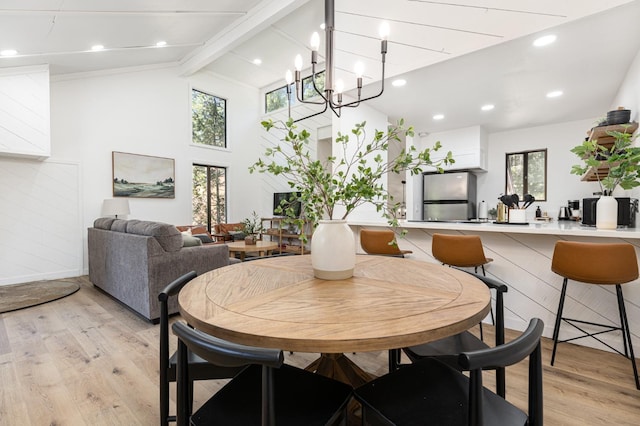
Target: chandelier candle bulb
[[298, 62], [384, 30], [315, 41], [288, 77]]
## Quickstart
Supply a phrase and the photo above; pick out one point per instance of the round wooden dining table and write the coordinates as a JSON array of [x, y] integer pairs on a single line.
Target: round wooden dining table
[[389, 303]]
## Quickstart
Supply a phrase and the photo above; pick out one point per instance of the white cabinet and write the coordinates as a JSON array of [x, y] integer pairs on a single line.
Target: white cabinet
[[25, 112], [469, 147]]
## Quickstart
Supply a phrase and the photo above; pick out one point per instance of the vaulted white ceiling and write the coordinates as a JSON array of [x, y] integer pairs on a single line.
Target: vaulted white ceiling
[[455, 55]]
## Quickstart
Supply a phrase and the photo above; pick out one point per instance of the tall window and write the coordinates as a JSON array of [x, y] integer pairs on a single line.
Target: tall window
[[209, 195], [527, 174], [209, 119]]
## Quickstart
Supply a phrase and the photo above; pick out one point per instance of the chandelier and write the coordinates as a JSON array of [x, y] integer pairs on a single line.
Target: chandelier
[[331, 95]]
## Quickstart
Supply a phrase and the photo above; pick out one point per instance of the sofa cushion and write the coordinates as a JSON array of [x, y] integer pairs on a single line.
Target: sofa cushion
[[190, 241], [167, 235], [103, 223], [119, 225]]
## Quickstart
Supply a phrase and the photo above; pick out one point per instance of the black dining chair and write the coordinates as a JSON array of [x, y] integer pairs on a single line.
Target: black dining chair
[[267, 392], [430, 392], [199, 368], [448, 349]]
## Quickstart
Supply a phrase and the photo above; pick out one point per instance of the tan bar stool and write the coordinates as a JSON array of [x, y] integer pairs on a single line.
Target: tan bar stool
[[600, 264], [376, 241], [463, 251]]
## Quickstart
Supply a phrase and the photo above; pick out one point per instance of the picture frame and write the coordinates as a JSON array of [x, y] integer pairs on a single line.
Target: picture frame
[[142, 176]]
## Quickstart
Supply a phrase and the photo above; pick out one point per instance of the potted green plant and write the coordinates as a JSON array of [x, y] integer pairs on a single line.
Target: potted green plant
[[613, 165], [331, 188], [252, 228]]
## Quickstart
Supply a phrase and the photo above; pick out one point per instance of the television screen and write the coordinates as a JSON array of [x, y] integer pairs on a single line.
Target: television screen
[[284, 200]]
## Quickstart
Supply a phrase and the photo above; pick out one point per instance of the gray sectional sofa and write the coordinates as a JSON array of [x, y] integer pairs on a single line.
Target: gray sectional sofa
[[134, 260]]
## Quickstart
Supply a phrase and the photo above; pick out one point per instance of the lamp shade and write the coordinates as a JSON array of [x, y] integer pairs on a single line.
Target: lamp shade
[[115, 207]]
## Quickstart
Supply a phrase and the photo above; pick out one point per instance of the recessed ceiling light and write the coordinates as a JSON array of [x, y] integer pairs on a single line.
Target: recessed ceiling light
[[544, 40], [257, 61], [399, 82], [161, 43], [97, 47], [8, 52], [487, 107], [554, 94], [438, 116], [323, 26]]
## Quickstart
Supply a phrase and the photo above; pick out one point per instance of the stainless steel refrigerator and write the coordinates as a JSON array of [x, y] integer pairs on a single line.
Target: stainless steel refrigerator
[[449, 196]]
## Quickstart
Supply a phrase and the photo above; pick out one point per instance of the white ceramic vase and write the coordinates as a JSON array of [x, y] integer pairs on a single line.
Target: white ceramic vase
[[607, 213], [333, 250]]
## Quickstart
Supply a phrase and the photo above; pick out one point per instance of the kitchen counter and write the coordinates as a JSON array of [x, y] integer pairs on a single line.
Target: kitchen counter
[[555, 227], [522, 259]]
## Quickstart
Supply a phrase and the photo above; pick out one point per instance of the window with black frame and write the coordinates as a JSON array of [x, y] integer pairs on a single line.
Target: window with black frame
[[208, 119], [277, 98], [209, 195], [526, 173]]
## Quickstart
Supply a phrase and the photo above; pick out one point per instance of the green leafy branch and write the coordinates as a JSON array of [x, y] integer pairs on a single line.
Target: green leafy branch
[[622, 160], [353, 180]]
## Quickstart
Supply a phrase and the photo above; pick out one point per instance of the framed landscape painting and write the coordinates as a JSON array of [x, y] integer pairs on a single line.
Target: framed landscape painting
[[143, 176]]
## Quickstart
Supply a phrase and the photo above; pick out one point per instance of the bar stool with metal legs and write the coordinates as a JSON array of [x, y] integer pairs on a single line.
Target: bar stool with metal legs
[[600, 264], [463, 251]]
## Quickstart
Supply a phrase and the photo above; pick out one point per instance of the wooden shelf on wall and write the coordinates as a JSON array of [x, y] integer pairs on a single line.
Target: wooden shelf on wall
[[601, 132], [592, 176], [601, 135]]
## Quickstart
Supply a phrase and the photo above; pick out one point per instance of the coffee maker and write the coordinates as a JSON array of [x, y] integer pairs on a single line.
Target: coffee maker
[[566, 213]]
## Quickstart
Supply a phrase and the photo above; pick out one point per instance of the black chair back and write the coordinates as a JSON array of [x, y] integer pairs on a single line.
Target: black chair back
[[225, 354]]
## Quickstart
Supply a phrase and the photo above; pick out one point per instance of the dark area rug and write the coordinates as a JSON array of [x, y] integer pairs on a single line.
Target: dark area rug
[[19, 296]]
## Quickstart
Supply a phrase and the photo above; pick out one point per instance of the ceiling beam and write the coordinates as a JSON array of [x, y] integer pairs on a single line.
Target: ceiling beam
[[257, 19]]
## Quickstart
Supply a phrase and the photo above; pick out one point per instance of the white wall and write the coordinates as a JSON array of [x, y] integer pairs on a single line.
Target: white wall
[[142, 111], [629, 94], [558, 139], [24, 112], [40, 217]]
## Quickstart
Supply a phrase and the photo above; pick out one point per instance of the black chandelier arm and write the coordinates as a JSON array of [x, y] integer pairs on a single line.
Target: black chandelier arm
[[312, 115], [313, 82], [302, 101], [355, 103]]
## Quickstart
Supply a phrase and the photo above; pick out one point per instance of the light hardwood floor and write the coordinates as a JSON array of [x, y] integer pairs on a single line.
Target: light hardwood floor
[[87, 360]]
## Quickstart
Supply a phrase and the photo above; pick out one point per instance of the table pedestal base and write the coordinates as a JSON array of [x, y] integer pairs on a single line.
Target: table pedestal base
[[339, 367]]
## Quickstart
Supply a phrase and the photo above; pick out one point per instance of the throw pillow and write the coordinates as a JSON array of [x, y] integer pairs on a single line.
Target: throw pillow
[[187, 232], [205, 238], [237, 235], [190, 241]]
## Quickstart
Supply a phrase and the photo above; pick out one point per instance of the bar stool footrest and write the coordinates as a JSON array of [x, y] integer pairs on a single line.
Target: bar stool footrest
[[610, 328]]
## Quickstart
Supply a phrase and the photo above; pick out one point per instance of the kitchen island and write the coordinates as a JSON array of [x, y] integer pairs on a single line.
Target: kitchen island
[[522, 259]]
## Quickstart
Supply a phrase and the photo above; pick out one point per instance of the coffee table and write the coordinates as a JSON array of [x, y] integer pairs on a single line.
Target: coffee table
[[261, 247]]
